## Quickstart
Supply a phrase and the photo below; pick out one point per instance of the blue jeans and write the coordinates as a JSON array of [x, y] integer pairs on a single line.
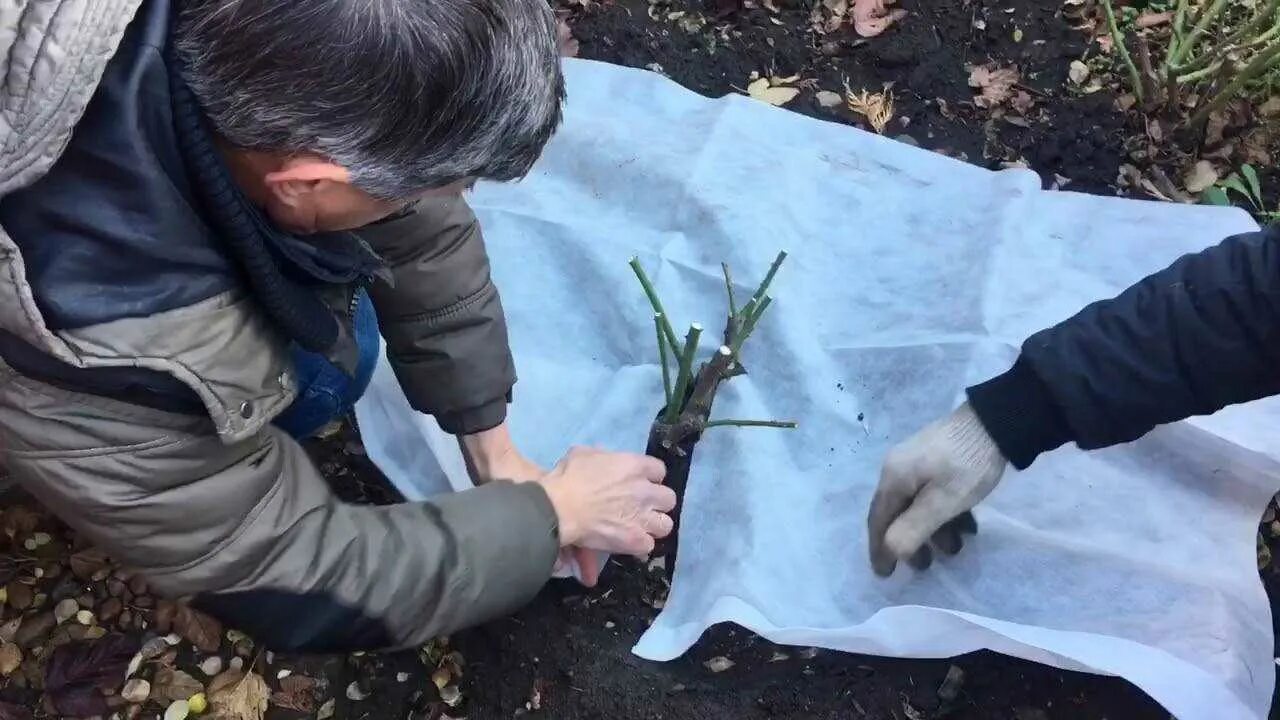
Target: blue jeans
[[326, 393]]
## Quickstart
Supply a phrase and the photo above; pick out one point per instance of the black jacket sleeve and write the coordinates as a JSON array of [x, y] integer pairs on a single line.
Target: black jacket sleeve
[[1189, 340]]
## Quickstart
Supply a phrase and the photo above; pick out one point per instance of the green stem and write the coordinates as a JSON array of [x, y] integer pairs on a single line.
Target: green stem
[[749, 325], [1118, 40], [1198, 75], [786, 425], [728, 286], [684, 374], [662, 353], [1175, 35], [655, 302], [1261, 63], [1206, 18], [768, 279]]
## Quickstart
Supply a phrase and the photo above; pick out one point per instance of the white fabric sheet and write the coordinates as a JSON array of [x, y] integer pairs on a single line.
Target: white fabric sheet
[[911, 276]]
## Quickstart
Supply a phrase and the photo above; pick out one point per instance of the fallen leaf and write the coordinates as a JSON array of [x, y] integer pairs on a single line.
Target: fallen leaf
[[1200, 177], [327, 709], [877, 108], [136, 691], [198, 628], [237, 696], [296, 693], [1153, 19], [87, 563], [761, 90], [65, 610], [1022, 102], [718, 664], [872, 17], [78, 672], [1078, 72], [355, 693], [177, 710], [10, 658], [173, 684], [994, 83], [828, 99]]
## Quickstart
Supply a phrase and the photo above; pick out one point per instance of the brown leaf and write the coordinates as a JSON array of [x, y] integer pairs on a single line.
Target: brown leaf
[[10, 658], [197, 628], [1153, 19], [78, 673], [87, 563], [236, 696], [994, 83], [1200, 177], [296, 693], [171, 684], [872, 17], [20, 595]]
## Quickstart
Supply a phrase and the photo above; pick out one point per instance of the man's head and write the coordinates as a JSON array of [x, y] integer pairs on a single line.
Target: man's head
[[334, 113]]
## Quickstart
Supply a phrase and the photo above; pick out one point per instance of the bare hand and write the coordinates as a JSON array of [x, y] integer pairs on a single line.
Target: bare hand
[[612, 502]]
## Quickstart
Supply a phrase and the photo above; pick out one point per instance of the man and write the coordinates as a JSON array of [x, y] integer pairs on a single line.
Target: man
[[207, 208], [1189, 340]]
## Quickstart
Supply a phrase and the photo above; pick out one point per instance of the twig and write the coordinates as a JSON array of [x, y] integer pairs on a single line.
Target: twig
[[1118, 37], [670, 332], [788, 425], [1261, 63], [662, 354], [685, 372], [768, 279], [1148, 72], [728, 286]]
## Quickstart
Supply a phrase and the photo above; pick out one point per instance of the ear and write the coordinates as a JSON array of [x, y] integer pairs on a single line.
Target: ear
[[299, 176]]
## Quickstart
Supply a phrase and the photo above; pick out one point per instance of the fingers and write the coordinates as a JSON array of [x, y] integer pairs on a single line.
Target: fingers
[[892, 497], [652, 469], [658, 525], [925, 516], [950, 537], [663, 499], [588, 566]]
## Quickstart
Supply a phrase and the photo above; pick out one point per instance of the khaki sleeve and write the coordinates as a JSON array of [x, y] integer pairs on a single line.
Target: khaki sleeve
[[442, 317], [253, 531]]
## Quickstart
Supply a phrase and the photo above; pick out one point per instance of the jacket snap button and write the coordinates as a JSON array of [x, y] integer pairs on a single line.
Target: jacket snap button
[[283, 380], [246, 409]]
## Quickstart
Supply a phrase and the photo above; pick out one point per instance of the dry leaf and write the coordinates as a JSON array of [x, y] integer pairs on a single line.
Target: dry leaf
[[762, 90], [171, 684], [828, 99], [1200, 177], [77, 674], [451, 696], [1022, 102], [877, 108], [236, 696], [355, 693], [1270, 108], [718, 664], [197, 628], [872, 17], [995, 84], [88, 563], [10, 658], [1150, 19], [296, 693], [326, 710], [136, 691], [1078, 72]]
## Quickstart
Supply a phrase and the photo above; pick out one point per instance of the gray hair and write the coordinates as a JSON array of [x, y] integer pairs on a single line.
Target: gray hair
[[407, 95]]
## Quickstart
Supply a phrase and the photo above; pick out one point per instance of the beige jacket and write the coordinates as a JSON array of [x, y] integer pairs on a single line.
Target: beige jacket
[[224, 506]]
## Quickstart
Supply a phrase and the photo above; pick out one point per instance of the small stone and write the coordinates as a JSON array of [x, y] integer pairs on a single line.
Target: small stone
[[829, 99], [115, 587], [211, 666], [41, 539], [85, 617], [136, 690], [271, 658], [283, 674], [138, 585], [144, 601], [718, 664], [10, 658], [38, 572], [94, 632], [402, 677], [65, 610], [1078, 72], [237, 664], [39, 600], [451, 696], [125, 619], [30, 544], [172, 639], [110, 609], [85, 600], [355, 693], [609, 624], [326, 710], [19, 595], [10, 629]]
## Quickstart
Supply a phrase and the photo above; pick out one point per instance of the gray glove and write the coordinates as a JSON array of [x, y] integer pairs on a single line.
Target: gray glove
[[928, 485]]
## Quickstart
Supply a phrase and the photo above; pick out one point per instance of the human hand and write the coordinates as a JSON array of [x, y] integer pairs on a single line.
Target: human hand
[[928, 485], [611, 502], [492, 455]]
